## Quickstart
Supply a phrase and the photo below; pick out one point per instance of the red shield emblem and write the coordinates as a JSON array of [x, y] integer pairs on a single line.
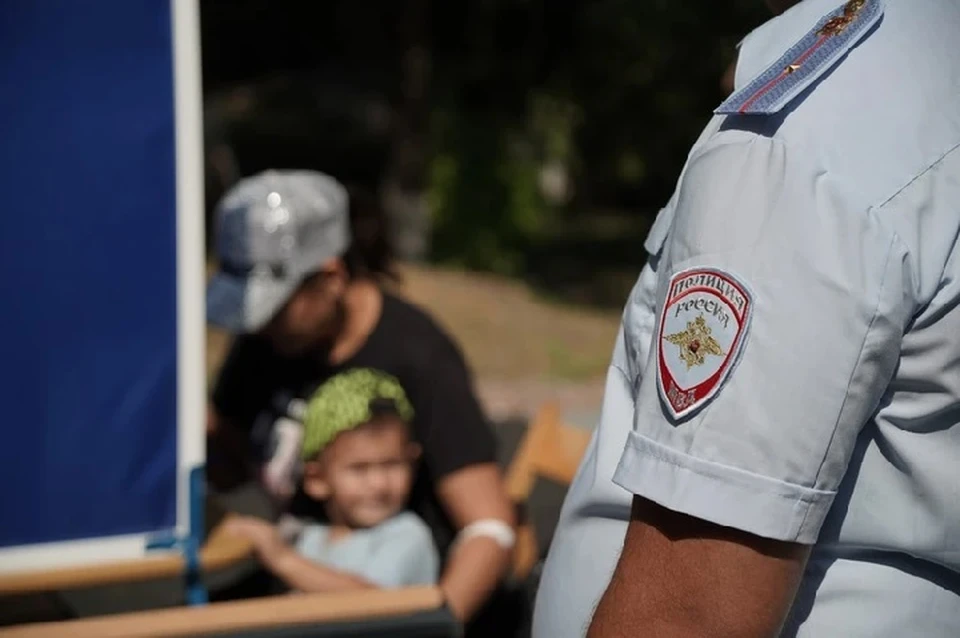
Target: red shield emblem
[[703, 326]]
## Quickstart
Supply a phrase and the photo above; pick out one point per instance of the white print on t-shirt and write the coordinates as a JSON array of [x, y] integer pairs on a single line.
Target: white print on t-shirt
[[282, 468]]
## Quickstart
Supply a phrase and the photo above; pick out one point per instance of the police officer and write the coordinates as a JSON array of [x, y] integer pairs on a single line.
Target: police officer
[[779, 449]]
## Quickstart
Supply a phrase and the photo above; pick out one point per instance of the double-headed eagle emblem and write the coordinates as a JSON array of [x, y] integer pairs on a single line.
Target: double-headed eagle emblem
[[838, 25], [696, 342]]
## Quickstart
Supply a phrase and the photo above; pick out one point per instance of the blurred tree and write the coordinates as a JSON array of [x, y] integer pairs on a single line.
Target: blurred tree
[[404, 185], [504, 118]]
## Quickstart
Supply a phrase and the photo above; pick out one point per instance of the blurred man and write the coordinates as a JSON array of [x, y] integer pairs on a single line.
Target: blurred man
[[303, 284], [779, 449]]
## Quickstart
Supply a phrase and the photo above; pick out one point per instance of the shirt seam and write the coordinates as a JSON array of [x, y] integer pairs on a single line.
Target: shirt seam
[[856, 366], [623, 372], [906, 185]]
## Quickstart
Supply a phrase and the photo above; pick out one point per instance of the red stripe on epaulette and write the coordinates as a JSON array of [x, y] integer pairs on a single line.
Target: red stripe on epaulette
[[763, 90]]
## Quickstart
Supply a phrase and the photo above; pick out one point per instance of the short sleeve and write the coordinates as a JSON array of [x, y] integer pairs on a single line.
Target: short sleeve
[[450, 423], [405, 555], [780, 310], [246, 382]]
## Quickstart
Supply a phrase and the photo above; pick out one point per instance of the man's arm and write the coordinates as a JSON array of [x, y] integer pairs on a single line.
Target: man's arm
[[474, 568], [764, 443], [459, 450], [684, 577]]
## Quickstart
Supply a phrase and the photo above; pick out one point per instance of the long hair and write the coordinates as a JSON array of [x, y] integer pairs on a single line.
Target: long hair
[[370, 254]]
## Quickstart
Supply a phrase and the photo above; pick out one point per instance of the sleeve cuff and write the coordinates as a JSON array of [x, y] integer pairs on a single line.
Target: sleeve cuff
[[721, 494]]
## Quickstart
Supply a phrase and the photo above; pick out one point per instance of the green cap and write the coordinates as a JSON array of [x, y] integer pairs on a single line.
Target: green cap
[[348, 400]]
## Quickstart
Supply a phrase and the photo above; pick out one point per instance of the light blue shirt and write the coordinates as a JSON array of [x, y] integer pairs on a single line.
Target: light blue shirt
[[789, 360], [397, 553]]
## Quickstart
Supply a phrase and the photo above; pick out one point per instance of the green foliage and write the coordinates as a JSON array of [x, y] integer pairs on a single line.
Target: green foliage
[[484, 194], [541, 113], [606, 93]]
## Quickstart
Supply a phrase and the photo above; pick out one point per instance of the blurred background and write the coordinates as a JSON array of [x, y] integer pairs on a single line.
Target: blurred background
[[520, 148]]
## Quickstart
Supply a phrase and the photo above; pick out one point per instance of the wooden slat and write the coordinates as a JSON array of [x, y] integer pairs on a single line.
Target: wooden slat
[[220, 551], [549, 449], [526, 551], [521, 474], [560, 457], [279, 611]]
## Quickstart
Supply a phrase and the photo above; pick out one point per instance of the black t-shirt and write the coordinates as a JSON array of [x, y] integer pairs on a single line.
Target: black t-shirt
[[448, 422]]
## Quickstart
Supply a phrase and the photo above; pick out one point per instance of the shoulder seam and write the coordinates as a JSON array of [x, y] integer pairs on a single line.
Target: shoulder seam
[[919, 175]]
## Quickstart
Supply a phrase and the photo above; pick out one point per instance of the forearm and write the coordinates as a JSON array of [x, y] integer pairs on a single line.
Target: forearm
[[473, 572], [475, 496], [622, 612], [683, 617], [678, 576], [304, 575]]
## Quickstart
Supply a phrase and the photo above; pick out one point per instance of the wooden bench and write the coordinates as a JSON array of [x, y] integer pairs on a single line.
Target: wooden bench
[[417, 611], [219, 552], [552, 450]]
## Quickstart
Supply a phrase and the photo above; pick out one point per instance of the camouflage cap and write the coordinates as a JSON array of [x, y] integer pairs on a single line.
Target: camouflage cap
[[348, 400]]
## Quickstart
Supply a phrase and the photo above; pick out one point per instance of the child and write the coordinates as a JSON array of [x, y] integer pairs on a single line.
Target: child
[[358, 460]]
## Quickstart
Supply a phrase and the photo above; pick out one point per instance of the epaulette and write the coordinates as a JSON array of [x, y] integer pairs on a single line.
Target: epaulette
[[818, 51]]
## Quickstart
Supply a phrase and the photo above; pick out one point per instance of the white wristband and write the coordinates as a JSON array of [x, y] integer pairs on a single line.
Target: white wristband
[[499, 531]]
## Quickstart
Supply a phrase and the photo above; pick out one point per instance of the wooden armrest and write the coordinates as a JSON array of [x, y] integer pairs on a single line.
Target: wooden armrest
[[549, 449], [220, 551], [279, 611], [521, 474], [525, 552], [560, 458]]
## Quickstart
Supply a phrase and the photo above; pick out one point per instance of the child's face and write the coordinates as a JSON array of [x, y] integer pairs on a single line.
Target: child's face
[[364, 474]]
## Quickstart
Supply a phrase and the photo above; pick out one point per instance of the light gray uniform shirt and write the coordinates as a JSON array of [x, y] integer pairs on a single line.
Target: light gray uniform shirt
[[789, 360], [397, 553]]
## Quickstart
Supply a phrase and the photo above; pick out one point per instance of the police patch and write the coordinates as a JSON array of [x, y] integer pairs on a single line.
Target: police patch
[[703, 326]]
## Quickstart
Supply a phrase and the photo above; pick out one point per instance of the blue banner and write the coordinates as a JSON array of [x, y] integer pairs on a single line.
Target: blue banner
[[88, 332]]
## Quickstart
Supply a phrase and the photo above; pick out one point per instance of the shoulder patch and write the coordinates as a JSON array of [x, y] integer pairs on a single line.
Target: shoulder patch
[[807, 60], [703, 326]]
